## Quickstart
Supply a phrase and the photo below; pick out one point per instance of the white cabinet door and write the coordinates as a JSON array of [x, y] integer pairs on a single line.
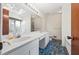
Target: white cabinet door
[[34, 51], [23, 50], [34, 47]]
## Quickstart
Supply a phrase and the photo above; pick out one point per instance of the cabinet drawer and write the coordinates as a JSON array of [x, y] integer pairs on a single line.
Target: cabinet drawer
[[34, 51], [33, 44], [23, 50], [31, 48], [34, 47]]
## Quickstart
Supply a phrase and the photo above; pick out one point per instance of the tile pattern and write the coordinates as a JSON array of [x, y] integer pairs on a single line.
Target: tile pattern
[[53, 48]]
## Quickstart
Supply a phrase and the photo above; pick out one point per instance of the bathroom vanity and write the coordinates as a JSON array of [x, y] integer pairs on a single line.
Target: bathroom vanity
[[26, 44], [30, 48]]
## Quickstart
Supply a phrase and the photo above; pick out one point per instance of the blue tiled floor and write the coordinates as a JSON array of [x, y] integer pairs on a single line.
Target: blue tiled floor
[[53, 48]]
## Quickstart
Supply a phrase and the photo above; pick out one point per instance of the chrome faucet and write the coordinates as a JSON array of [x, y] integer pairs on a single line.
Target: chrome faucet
[[7, 42]]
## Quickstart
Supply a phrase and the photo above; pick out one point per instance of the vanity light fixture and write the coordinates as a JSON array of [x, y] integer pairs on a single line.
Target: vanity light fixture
[[33, 9], [21, 11]]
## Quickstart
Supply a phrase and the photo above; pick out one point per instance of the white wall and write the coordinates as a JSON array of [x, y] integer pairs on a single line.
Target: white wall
[[44, 24], [0, 18], [53, 24], [0, 21], [50, 23], [66, 26]]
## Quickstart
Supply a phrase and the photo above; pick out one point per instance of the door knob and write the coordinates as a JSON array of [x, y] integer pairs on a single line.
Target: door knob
[[69, 37]]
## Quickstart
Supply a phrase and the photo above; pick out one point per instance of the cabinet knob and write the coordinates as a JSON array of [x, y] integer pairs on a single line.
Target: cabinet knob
[[29, 52]]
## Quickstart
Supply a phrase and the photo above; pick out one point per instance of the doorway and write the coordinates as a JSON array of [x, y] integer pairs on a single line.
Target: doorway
[[75, 28]]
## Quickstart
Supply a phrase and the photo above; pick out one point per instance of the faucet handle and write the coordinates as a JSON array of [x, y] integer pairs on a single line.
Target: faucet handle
[[7, 42]]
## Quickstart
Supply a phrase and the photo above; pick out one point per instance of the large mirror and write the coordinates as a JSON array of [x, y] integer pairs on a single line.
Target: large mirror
[[14, 26]]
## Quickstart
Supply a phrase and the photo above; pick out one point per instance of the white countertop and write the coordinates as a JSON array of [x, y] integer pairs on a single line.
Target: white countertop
[[15, 43]]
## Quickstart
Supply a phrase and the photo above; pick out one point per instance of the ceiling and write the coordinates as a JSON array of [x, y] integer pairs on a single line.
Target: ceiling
[[47, 8], [43, 8], [18, 8]]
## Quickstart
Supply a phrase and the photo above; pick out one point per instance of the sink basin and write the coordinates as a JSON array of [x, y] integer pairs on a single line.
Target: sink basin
[[23, 39]]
